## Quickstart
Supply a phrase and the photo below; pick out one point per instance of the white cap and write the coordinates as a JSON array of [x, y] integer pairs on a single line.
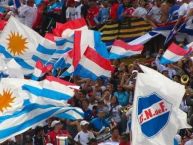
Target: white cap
[[54, 123], [77, 0], [84, 122]]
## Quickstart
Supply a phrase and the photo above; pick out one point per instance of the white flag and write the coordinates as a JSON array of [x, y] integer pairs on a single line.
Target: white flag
[[155, 118]]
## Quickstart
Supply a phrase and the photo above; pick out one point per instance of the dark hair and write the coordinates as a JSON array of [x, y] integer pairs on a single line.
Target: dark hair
[[38, 129]]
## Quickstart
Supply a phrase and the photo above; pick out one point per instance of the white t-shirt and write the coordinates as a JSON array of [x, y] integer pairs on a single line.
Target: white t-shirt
[[189, 24], [78, 12], [28, 14], [155, 13], [83, 137], [190, 142], [71, 13], [140, 12], [183, 9]]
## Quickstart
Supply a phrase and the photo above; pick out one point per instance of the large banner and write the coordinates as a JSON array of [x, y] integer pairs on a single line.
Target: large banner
[[127, 30]]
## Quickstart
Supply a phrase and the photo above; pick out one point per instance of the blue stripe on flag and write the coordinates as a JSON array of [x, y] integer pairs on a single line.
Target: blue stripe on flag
[[66, 115], [28, 107], [85, 73], [36, 58], [20, 61], [163, 60], [25, 125], [61, 42], [45, 50], [62, 51], [47, 93], [116, 56]]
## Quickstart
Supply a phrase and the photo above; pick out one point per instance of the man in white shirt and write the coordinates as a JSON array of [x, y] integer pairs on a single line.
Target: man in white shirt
[[78, 9], [28, 13], [71, 12], [84, 135]]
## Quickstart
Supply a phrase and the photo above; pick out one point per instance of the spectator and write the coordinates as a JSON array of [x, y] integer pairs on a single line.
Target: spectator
[[115, 135], [57, 131], [28, 13], [122, 96], [78, 6], [99, 123], [140, 11], [84, 8], [71, 12], [84, 136], [92, 13], [121, 9], [87, 111], [39, 136], [103, 15], [113, 9]]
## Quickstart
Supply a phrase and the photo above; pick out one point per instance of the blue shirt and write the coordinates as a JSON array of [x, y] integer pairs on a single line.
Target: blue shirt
[[103, 16], [88, 115], [98, 123], [121, 9], [173, 12], [122, 97]]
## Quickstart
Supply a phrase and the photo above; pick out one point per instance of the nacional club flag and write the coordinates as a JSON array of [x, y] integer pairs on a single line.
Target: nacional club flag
[[26, 103], [156, 116], [120, 49], [25, 45], [174, 53]]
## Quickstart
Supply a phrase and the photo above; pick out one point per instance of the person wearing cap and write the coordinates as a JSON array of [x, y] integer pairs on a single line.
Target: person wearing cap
[[83, 137], [57, 131]]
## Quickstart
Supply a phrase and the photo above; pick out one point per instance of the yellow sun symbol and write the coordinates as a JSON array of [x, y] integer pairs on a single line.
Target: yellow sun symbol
[[16, 43], [6, 99]]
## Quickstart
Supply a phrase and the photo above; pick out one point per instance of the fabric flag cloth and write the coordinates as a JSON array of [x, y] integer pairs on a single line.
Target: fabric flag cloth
[[156, 104], [40, 70], [25, 45], [120, 49], [174, 53], [20, 109], [67, 30], [92, 65], [51, 91], [2, 24]]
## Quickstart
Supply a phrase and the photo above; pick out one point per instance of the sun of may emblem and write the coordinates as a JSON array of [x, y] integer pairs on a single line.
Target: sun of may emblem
[[16, 43], [6, 98]]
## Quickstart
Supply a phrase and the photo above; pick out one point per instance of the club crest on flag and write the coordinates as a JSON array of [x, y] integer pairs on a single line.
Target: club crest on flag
[[154, 111], [16, 43]]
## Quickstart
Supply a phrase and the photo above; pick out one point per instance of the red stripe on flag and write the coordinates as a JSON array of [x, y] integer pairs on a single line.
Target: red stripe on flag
[[42, 67], [75, 24], [77, 48], [98, 59], [126, 46], [51, 78], [50, 37], [2, 24], [178, 50]]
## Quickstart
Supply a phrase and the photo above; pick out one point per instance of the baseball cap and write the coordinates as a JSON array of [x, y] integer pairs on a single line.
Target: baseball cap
[[54, 123], [84, 122], [77, 0]]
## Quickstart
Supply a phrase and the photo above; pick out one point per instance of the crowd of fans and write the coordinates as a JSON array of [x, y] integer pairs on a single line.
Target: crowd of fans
[[107, 103]]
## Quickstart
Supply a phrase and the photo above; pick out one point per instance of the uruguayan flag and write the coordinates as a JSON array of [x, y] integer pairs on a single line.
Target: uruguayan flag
[[25, 45], [20, 110], [51, 91]]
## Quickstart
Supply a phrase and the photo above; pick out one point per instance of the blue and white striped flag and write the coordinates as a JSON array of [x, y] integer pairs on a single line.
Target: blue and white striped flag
[[25, 45], [20, 110]]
